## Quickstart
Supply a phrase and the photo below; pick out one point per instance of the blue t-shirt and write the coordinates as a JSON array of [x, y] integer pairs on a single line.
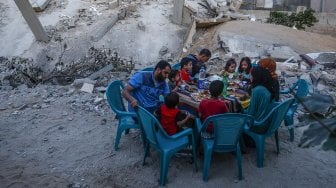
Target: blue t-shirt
[[147, 90]]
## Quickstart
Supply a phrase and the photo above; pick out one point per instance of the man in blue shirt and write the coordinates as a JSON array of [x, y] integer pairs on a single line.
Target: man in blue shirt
[[198, 61], [145, 87]]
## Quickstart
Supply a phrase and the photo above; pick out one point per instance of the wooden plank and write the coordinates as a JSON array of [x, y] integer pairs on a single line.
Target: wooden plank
[[32, 20], [190, 36], [209, 22]]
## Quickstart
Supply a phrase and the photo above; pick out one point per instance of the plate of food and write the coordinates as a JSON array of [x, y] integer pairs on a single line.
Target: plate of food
[[199, 96]]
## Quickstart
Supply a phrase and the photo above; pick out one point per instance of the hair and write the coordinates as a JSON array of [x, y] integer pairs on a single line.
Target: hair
[[172, 74], [205, 52], [162, 65], [171, 100], [216, 87], [261, 76], [249, 65], [229, 63], [270, 65], [185, 61]]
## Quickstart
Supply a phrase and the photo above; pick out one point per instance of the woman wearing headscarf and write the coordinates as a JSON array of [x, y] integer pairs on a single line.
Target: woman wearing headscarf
[[270, 65]]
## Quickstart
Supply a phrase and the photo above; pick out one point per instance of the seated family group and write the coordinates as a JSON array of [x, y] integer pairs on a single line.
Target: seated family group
[[146, 87]]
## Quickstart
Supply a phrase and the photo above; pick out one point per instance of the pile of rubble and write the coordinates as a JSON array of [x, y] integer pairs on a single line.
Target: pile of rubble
[[96, 65]]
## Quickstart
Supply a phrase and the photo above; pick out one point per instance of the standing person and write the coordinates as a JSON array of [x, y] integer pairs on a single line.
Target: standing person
[[270, 65], [171, 118], [145, 87], [212, 106], [198, 61], [186, 66], [244, 69]]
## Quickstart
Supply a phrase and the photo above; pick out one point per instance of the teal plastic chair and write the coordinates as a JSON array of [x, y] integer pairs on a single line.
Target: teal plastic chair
[[147, 69], [161, 141], [299, 89], [270, 124], [176, 66], [125, 118], [227, 131]]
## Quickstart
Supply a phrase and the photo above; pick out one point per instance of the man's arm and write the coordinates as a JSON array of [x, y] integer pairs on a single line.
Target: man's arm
[[127, 95]]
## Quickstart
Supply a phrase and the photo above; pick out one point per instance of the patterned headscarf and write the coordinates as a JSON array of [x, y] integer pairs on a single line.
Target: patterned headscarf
[[270, 65]]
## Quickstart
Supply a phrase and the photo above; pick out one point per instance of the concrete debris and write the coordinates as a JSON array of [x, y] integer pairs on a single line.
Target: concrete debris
[[112, 4], [39, 5], [141, 26], [103, 27], [163, 50]]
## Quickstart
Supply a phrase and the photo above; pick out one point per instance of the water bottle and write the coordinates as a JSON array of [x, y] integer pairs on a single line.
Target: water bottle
[[201, 80], [225, 82]]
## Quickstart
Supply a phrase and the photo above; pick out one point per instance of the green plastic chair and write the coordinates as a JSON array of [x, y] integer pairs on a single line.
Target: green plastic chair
[[162, 142], [125, 118], [227, 131], [270, 124], [300, 89]]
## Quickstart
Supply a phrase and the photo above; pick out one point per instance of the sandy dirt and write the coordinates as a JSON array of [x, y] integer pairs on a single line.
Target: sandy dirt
[[58, 136]]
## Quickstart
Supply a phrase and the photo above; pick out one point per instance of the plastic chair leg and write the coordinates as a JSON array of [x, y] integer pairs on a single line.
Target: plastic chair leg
[[291, 133], [164, 163], [206, 164], [260, 143], [117, 139], [194, 152], [239, 162], [147, 148], [276, 135]]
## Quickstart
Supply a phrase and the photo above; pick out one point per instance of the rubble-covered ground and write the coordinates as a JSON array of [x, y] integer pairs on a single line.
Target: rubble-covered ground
[[53, 134]]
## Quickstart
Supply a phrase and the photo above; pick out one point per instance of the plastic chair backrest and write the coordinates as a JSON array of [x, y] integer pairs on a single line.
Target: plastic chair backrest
[[277, 115], [176, 66], [227, 128], [147, 69], [148, 123], [114, 97], [302, 88]]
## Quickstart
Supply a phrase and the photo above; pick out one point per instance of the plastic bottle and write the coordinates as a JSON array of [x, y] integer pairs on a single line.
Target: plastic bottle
[[201, 79], [225, 82]]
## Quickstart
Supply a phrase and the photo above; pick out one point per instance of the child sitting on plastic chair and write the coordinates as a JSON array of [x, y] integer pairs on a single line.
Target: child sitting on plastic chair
[[171, 118], [212, 106]]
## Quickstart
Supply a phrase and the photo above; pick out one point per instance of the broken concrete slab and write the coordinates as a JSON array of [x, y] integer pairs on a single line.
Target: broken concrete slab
[[103, 27], [87, 87], [81, 81], [281, 53], [112, 4], [39, 5], [100, 72]]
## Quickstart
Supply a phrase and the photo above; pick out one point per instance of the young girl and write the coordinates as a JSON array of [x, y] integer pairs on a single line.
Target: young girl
[[230, 68], [174, 80], [244, 69]]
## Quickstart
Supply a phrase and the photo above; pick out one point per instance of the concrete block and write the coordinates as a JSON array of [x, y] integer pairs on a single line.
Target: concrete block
[[87, 88], [39, 5], [113, 4], [102, 28]]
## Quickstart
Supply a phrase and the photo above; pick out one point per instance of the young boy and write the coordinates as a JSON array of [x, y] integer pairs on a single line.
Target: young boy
[[186, 66], [171, 118], [174, 80], [214, 105]]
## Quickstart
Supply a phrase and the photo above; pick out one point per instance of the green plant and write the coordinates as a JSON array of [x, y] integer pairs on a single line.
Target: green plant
[[300, 20]]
